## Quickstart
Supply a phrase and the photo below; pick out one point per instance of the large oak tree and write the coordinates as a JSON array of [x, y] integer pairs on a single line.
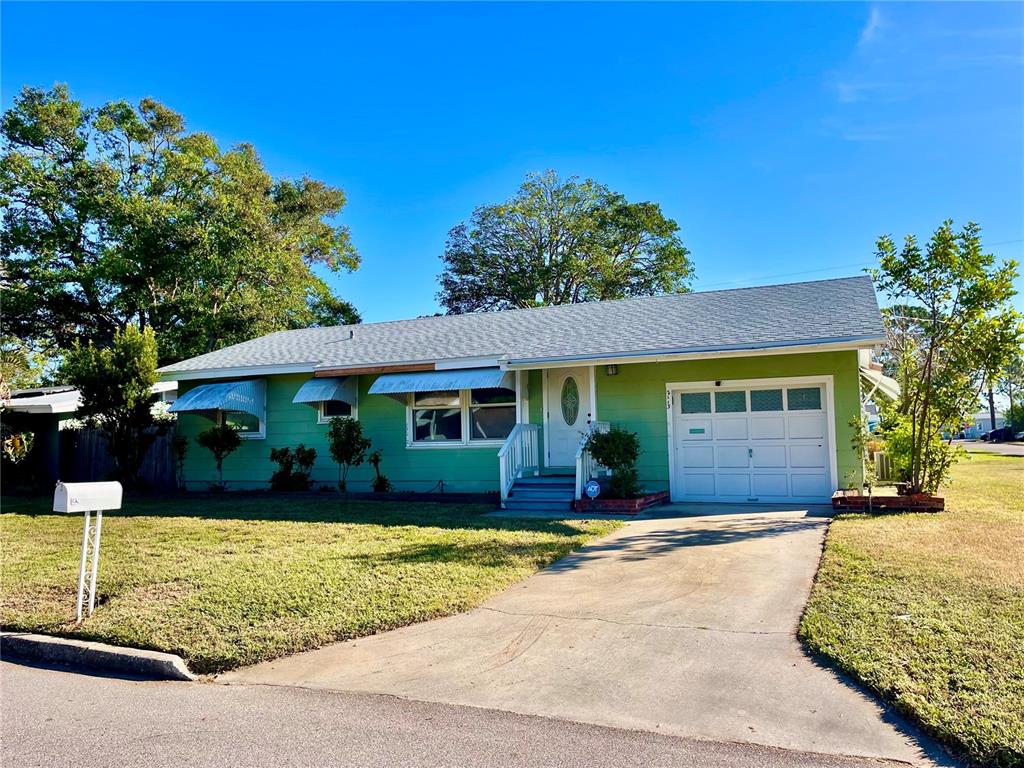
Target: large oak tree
[[117, 215], [559, 242]]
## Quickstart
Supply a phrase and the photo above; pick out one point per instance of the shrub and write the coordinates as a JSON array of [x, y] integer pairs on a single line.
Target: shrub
[[348, 446], [617, 449], [381, 484], [294, 468], [221, 441]]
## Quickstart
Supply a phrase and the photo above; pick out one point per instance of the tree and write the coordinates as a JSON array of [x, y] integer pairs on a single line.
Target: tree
[[348, 446], [116, 386], [966, 333], [221, 440], [116, 215], [1011, 380], [561, 242], [21, 367]]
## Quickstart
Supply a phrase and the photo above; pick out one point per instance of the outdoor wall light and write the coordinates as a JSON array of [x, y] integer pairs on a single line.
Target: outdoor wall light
[[611, 370]]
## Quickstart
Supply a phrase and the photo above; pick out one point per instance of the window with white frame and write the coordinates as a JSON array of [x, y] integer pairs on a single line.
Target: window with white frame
[[330, 409], [249, 427], [461, 417]]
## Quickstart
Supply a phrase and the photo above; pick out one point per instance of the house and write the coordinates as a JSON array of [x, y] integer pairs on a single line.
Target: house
[[742, 395], [981, 422], [45, 411]]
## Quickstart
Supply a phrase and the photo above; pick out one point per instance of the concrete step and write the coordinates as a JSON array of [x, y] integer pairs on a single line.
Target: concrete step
[[537, 505], [531, 495], [547, 480]]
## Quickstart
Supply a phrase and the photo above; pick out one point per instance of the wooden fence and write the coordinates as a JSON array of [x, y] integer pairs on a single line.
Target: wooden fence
[[84, 458]]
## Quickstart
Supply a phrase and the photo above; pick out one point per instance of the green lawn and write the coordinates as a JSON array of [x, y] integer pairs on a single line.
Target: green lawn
[[230, 581], [928, 609]]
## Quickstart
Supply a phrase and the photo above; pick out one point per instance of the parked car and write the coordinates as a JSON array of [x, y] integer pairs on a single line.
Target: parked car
[[999, 435]]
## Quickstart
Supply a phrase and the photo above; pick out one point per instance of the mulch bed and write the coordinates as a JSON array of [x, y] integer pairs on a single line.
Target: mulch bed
[[621, 506]]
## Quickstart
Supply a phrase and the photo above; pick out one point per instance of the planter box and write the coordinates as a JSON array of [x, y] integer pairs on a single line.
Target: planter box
[[620, 506], [854, 501]]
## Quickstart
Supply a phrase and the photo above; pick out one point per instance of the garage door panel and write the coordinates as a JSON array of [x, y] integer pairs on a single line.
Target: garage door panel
[[732, 456], [810, 485], [695, 429], [771, 485], [733, 485], [806, 426], [698, 456], [769, 456], [731, 428], [768, 428], [699, 484], [812, 455]]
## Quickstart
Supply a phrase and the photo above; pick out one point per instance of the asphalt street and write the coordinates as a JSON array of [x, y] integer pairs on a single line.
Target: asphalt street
[[56, 717]]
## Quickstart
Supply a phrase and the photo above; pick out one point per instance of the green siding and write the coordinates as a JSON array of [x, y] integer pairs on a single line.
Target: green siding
[[635, 399]]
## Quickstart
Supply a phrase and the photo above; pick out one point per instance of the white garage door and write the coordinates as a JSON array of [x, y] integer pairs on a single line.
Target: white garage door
[[754, 444]]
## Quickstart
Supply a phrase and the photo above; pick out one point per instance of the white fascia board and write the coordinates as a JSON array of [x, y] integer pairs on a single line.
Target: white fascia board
[[455, 363], [240, 372], [832, 345]]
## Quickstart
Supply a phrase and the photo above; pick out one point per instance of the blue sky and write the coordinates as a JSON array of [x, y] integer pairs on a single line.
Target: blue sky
[[783, 138]]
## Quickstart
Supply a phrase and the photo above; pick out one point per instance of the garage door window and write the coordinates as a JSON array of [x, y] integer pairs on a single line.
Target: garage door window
[[695, 402], [730, 402], [804, 399], [766, 400]]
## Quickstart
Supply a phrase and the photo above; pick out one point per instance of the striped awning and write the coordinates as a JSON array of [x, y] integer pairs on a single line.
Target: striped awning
[[876, 381], [249, 396], [316, 391], [430, 381]]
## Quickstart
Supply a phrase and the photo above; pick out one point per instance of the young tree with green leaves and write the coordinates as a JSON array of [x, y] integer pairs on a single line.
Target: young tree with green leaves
[[348, 446], [117, 214], [221, 440], [1011, 384], [561, 242], [116, 386], [965, 331]]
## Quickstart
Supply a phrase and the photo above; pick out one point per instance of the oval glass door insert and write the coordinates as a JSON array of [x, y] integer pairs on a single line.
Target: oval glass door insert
[[570, 400]]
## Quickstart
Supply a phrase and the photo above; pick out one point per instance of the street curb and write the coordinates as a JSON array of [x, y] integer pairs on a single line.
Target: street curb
[[152, 665]]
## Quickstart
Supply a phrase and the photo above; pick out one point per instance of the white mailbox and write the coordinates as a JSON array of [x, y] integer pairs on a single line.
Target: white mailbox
[[86, 497]]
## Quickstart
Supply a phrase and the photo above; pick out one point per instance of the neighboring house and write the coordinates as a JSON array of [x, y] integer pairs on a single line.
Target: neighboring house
[[981, 423], [739, 395], [44, 411]]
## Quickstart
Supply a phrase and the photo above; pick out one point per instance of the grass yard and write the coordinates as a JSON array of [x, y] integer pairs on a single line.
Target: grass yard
[[228, 581], [928, 609]]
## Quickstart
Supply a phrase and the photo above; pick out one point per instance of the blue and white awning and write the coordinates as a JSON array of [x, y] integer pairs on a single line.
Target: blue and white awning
[[316, 391], [249, 396], [430, 381]]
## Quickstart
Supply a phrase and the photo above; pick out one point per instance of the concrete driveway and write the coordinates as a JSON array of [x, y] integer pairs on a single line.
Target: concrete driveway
[[683, 624]]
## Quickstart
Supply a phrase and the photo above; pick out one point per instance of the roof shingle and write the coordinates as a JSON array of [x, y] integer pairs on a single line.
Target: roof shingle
[[743, 318]]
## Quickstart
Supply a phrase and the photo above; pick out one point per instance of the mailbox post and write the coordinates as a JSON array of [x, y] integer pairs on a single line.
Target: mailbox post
[[72, 498]]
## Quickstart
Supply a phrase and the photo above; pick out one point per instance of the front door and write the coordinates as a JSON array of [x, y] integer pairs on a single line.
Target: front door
[[569, 413]]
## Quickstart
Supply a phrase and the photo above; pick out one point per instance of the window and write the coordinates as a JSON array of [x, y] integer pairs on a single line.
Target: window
[[804, 399], [437, 417], [695, 402], [492, 413], [730, 402], [766, 399], [570, 400], [330, 409], [462, 417], [249, 427]]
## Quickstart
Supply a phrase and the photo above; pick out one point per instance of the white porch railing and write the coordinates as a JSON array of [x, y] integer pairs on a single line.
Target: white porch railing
[[520, 454], [586, 468]]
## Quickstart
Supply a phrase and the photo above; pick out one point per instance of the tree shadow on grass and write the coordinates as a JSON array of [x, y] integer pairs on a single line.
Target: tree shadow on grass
[[310, 509]]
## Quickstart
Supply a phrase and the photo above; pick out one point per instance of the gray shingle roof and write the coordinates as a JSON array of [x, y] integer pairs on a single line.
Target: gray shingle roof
[[743, 318]]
